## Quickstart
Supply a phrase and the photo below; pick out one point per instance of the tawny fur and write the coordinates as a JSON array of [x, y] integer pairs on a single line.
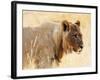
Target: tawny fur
[[47, 43]]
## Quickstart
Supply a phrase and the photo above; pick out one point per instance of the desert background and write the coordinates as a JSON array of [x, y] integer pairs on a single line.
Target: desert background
[[34, 18]]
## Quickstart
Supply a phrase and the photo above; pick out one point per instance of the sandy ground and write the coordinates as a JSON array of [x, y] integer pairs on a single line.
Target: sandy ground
[[33, 18]]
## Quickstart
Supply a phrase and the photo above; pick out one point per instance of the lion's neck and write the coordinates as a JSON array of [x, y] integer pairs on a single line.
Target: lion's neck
[[67, 48]]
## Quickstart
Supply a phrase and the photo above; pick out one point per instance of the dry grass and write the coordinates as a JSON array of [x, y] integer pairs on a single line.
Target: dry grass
[[33, 18]]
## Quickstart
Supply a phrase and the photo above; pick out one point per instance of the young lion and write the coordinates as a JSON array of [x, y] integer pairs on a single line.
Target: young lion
[[47, 42]]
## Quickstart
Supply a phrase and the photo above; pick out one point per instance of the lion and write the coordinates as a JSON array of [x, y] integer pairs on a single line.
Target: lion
[[48, 42]]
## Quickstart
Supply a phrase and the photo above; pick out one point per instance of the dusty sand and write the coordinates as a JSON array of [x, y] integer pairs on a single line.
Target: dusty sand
[[33, 18]]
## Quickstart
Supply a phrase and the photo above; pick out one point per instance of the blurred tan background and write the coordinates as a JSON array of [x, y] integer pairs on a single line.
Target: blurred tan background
[[34, 18]]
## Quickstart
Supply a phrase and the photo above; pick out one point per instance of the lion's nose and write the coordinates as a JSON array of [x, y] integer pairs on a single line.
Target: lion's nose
[[81, 46]]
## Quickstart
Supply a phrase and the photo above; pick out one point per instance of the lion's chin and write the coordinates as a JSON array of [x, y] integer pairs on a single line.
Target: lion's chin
[[77, 50], [80, 50]]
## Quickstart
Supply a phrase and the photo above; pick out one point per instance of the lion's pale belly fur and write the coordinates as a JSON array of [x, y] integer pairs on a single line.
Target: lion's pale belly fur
[[42, 44]]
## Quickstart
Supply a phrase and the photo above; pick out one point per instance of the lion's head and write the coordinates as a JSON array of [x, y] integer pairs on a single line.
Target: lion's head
[[72, 36]]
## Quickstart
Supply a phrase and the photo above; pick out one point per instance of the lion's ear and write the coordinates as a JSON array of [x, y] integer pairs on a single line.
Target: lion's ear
[[77, 22], [65, 25]]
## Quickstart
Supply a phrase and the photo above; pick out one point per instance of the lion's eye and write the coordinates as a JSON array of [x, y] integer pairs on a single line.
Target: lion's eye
[[75, 35]]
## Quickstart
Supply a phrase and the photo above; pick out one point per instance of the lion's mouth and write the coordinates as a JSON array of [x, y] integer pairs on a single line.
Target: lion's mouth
[[77, 50]]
